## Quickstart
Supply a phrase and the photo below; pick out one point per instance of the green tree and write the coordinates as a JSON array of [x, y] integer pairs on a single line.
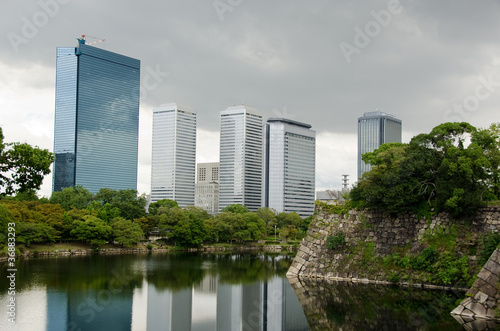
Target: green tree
[[72, 197], [147, 224], [211, 234], [168, 218], [93, 230], [190, 230], [70, 217], [37, 212], [106, 212], [235, 208], [288, 232], [255, 225], [268, 215], [490, 140], [226, 224], [453, 168], [28, 233], [131, 205], [125, 232], [22, 167], [391, 183], [462, 171], [5, 219], [285, 219], [166, 203]]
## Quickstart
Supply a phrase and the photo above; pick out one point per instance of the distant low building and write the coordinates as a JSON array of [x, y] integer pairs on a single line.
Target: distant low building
[[207, 187]]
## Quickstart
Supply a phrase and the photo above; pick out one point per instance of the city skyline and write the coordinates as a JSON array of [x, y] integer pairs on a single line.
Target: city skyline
[[314, 62]]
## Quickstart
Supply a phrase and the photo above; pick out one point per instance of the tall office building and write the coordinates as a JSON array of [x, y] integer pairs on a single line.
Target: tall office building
[[173, 162], [240, 158], [289, 166], [96, 119], [374, 129], [206, 195]]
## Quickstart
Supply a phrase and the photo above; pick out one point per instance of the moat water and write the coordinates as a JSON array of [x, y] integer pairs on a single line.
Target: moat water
[[199, 291]]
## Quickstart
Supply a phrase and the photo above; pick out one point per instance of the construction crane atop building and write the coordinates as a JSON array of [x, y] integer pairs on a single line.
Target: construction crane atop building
[[83, 40]]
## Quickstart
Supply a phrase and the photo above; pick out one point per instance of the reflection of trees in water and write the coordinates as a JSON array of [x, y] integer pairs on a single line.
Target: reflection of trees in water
[[76, 273], [175, 271], [164, 271], [248, 269], [334, 305]]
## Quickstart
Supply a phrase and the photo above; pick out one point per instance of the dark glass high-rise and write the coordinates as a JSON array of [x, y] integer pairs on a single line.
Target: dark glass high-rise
[[96, 119]]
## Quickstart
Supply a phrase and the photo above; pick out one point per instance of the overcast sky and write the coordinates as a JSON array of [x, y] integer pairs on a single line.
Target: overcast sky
[[322, 62]]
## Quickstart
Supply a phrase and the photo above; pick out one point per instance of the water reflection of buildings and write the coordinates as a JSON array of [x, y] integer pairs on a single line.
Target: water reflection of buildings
[[270, 305], [89, 310], [264, 305]]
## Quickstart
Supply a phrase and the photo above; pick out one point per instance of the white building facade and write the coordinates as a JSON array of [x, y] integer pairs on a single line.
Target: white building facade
[[241, 157], [173, 163], [289, 167], [207, 187]]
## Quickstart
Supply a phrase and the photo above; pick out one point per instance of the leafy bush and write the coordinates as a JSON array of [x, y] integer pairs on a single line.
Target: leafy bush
[[340, 209], [490, 241], [402, 262], [451, 270], [425, 260], [393, 278], [335, 241]]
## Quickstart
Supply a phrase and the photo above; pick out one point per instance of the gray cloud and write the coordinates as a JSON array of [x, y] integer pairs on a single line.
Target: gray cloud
[[276, 55]]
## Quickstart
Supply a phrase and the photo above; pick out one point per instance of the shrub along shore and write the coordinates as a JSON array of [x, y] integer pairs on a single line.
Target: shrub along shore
[[76, 220], [72, 249]]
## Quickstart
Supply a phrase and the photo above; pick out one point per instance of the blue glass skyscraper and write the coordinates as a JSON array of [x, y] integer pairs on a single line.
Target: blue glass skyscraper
[[96, 119], [374, 129]]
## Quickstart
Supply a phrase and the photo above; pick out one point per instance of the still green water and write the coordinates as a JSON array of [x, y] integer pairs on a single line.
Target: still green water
[[194, 291]]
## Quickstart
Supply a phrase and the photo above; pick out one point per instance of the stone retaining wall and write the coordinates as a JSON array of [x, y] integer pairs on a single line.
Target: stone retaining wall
[[348, 306], [380, 235], [483, 298]]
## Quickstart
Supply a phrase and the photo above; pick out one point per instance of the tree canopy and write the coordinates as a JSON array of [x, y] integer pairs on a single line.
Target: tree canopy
[[453, 168], [22, 167], [119, 216]]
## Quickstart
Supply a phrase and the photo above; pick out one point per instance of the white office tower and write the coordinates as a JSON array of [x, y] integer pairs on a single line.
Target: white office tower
[[173, 162], [240, 158], [374, 129], [289, 166], [206, 195]]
